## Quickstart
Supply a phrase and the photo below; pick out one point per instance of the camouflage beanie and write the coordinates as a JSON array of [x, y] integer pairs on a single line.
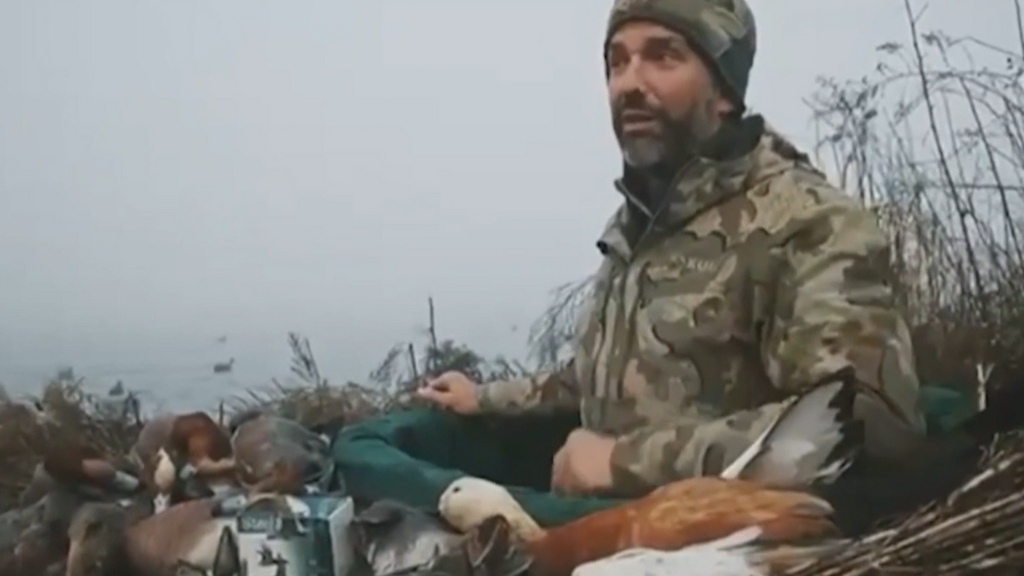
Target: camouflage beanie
[[722, 31]]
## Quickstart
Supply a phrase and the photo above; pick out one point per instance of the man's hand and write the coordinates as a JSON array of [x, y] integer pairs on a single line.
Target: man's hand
[[453, 391], [583, 465]]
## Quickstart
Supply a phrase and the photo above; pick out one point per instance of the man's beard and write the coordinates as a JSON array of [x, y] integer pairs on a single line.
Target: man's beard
[[678, 140]]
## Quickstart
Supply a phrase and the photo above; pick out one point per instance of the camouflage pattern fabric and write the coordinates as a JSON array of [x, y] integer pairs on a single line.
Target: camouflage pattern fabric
[[754, 279], [723, 31]]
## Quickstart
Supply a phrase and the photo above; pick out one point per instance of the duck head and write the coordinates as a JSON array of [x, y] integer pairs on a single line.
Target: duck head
[[467, 502]]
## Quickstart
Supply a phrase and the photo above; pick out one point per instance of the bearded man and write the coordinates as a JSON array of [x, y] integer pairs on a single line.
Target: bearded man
[[733, 276]]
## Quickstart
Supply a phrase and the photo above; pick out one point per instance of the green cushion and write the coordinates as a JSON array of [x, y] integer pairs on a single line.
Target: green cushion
[[413, 456], [945, 406]]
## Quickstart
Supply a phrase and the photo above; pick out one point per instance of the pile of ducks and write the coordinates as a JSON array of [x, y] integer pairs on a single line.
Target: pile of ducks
[[155, 511], [799, 492]]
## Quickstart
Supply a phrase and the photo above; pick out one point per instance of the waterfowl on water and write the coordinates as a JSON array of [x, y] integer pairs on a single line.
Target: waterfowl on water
[[105, 540]]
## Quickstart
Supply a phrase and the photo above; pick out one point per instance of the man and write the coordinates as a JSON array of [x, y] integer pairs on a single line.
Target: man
[[733, 275]]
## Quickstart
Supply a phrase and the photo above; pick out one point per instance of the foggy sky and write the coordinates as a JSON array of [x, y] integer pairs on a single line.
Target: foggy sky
[[182, 170]]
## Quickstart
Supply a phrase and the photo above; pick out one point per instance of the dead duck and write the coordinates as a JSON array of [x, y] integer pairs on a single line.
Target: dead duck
[[31, 552], [36, 555], [89, 470], [392, 538], [78, 474], [184, 456], [276, 455], [875, 495], [812, 439], [105, 540], [67, 478], [739, 554]]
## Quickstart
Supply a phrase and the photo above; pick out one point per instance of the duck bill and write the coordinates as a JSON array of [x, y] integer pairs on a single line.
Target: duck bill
[[123, 482]]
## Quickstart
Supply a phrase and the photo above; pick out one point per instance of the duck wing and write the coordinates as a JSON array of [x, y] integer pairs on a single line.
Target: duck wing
[[813, 439], [394, 538]]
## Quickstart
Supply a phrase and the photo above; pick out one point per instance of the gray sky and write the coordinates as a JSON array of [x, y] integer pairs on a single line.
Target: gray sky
[[178, 170]]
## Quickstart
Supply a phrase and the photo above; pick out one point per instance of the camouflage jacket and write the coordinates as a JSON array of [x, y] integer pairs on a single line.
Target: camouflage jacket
[[754, 279]]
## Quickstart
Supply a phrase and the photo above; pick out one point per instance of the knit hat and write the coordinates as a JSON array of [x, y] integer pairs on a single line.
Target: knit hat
[[722, 31]]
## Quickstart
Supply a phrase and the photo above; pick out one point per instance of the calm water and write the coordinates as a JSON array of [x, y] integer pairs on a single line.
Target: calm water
[[169, 375], [172, 373]]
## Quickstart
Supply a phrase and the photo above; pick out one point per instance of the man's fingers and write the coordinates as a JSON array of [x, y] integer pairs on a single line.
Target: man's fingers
[[432, 394], [435, 384]]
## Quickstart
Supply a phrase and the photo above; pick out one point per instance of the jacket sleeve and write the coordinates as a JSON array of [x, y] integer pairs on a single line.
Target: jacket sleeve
[[545, 392], [831, 305]]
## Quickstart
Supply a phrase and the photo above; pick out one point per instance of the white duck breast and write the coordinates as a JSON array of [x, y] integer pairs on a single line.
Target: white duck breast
[[739, 554], [725, 557], [813, 439]]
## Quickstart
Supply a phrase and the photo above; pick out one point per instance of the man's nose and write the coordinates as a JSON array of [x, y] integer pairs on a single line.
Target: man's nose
[[631, 77]]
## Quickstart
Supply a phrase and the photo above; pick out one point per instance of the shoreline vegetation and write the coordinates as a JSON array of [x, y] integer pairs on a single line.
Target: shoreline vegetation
[[932, 140]]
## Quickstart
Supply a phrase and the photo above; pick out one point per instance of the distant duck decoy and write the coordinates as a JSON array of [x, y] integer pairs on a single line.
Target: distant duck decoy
[[222, 367]]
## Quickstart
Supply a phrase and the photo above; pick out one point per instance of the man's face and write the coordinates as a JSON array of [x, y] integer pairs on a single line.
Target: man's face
[[664, 100]]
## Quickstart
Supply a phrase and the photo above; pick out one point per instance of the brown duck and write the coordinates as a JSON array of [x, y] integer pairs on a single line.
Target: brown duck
[[69, 476], [276, 455], [184, 456], [110, 540]]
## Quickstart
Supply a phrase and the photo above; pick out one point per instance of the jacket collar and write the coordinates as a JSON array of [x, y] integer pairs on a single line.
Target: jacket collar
[[740, 155]]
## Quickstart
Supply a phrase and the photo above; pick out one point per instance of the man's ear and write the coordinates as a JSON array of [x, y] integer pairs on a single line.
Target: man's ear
[[724, 107]]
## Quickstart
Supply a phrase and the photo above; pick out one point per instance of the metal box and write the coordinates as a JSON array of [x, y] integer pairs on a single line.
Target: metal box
[[292, 536]]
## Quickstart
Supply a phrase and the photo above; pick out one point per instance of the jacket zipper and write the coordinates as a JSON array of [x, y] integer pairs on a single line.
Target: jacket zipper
[[629, 317]]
